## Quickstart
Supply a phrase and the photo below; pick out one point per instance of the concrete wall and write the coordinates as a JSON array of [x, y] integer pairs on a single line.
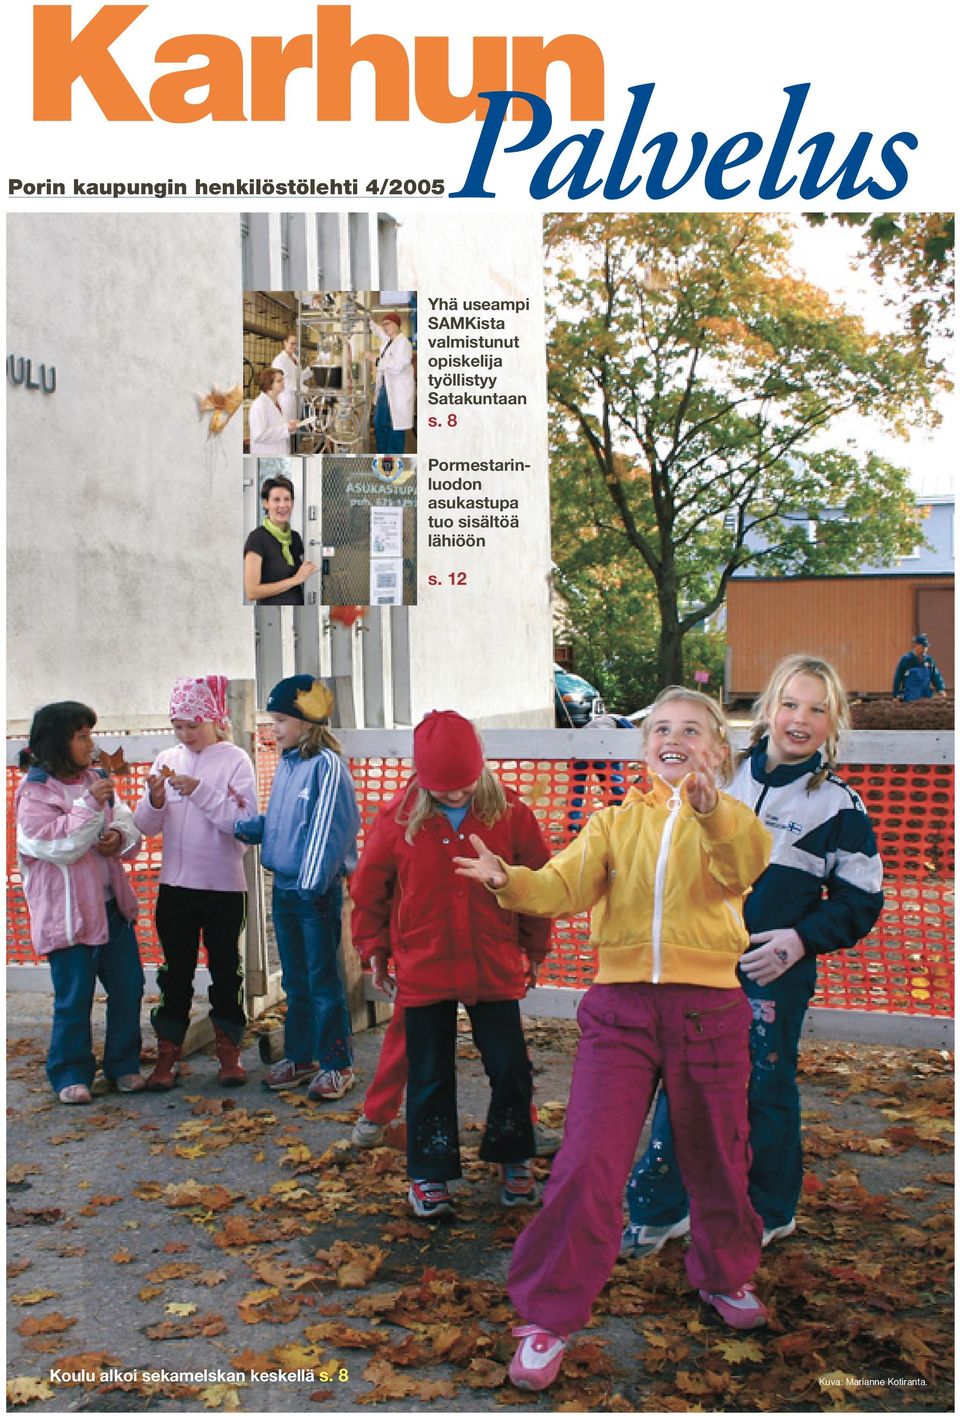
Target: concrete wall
[[486, 648], [124, 522]]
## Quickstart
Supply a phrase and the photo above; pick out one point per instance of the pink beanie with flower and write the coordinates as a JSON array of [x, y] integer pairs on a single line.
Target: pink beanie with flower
[[200, 700]]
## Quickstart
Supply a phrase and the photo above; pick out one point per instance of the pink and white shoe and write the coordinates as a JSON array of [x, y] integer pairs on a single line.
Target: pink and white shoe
[[739, 1309], [536, 1361]]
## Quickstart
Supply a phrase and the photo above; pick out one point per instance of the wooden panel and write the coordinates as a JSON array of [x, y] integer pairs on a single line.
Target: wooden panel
[[861, 624], [935, 619]]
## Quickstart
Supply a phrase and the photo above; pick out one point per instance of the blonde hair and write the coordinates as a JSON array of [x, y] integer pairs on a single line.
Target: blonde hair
[[316, 738], [838, 707], [677, 694], [489, 803]]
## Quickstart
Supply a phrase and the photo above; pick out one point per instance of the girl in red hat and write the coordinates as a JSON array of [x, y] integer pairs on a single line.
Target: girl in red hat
[[451, 943]]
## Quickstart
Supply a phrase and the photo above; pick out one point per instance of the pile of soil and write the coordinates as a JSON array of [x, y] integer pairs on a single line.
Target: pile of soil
[[925, 715]]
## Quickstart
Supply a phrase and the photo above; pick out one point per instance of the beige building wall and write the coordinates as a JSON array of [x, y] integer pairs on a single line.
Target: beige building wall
[[486, 648], [123, 519]]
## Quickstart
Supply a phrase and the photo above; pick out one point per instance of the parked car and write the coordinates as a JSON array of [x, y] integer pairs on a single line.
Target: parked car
[[575, 701]]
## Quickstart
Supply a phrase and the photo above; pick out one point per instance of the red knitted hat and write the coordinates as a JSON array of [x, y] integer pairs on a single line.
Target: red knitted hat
[[446, 752]]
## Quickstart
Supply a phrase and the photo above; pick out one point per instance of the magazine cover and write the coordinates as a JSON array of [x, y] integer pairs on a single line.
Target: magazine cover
[[480, 674]]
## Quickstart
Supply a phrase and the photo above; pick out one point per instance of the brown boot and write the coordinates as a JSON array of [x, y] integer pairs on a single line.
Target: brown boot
[[164, 1074], [231, 1072]]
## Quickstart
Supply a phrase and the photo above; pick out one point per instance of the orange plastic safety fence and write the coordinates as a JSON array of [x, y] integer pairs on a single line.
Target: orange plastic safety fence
[[906, 964]]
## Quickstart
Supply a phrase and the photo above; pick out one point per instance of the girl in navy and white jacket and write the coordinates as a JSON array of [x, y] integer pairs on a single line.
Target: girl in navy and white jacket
[[72, 834], [821, 892], [308, 835]]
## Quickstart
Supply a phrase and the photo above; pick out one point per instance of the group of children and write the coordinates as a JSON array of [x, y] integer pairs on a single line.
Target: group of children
[[709, 908]]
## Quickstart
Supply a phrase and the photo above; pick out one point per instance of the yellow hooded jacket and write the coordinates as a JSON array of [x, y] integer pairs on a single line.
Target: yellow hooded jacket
[[665, 885]]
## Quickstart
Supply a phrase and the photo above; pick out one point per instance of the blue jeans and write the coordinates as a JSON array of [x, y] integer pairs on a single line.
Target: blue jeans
[[74, 973], [308, 942], [655, 1192], [388, 439]]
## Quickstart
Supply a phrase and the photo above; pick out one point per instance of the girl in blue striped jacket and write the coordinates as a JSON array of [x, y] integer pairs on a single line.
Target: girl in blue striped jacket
[[308, 835]]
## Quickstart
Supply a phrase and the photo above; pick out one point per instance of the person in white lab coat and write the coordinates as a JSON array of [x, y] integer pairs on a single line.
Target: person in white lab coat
[[269, 429], [289, 365], [395, 394]]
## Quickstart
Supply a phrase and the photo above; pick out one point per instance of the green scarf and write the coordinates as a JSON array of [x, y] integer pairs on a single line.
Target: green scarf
[[284, 537]]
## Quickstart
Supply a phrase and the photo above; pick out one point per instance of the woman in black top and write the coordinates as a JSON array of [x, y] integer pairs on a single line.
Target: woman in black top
[[273, 565]]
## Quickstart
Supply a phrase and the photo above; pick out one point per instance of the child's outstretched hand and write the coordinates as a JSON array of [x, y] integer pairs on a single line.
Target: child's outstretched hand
[[701, 792], [485, 869]]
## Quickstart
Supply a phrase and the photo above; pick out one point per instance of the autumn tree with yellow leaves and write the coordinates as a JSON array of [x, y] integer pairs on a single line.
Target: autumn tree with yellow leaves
[[695, 386]]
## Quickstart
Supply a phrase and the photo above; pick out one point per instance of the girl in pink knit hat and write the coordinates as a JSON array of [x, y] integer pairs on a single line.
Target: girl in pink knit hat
[[450, 943], [195, 794]]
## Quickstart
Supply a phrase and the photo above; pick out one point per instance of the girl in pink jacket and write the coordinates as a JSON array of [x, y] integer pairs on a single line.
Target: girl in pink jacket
[[72, 834], [195, 794]]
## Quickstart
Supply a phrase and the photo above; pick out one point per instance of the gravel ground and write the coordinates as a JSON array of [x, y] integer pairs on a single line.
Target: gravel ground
[[162, 1247]]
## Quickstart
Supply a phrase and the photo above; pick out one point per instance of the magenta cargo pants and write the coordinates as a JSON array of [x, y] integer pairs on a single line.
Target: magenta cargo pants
[[696, 1039]]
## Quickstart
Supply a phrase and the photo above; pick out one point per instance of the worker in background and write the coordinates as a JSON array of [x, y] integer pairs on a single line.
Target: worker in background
[[917, 675]]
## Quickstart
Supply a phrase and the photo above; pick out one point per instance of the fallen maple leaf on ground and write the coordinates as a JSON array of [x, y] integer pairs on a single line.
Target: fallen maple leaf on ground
[[391, 1385], [53, 1322], [86, 1362], [208, 1197], [17, 1218], [340, 1335], [210, 1325], [16, 1174], [22, 1390], [483, 1373], [354, 1264], [179, 1269], [221, 1397]]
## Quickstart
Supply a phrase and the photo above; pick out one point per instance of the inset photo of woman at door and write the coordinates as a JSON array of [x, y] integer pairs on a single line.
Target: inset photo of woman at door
[[331, 530]]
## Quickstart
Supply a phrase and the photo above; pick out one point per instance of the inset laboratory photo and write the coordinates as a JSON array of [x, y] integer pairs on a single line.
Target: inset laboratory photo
[[330, 530], [329, 371]]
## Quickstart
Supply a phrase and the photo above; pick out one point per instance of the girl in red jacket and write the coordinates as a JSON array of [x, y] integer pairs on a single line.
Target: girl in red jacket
[[451, 943]]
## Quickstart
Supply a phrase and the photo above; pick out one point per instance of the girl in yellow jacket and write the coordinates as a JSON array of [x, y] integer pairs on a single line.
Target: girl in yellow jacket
[[664, 874]]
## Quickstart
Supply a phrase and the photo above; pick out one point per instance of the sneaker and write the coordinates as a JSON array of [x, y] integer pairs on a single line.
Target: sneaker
[[366, 1133], [430, 1199], [770, 1235], [286, 1074], [739, 1309], [331, 1085], [547, 1142], [76, 1095], [518, 1185], [132, 1082], [536, 1361], [642, 1241]]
